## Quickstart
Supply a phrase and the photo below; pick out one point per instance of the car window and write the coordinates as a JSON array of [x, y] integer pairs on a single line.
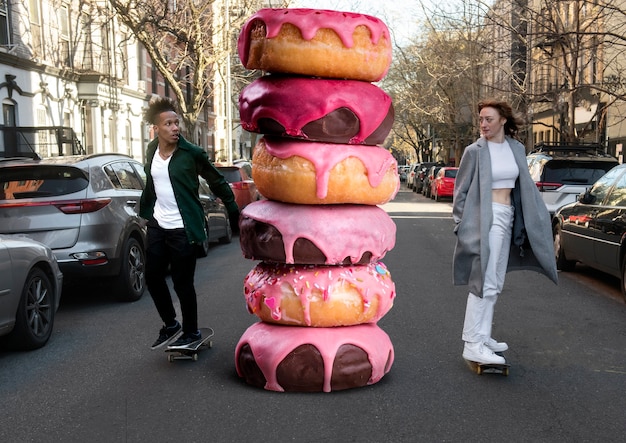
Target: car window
[[617, 197], [601, 188], [451, 173], [232, 175], [575, 172], [123, 176], [41, 181]]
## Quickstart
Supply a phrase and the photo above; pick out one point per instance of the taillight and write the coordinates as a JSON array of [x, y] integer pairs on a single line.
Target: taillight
[[82, 206], [67, 207], [241, 185], [545, 186]]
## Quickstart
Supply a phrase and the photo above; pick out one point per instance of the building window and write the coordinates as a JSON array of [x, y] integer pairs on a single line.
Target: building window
[[64, 36], [5, 23]]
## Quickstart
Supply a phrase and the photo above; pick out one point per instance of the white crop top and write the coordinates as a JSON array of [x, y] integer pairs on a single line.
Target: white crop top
[[504, 169]]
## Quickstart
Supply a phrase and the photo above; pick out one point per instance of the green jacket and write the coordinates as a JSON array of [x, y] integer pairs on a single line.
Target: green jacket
[[188, 162]]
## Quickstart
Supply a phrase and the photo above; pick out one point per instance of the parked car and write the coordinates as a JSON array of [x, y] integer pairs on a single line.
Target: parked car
[[428, 179], [593, 229], [410, 176], [239, 177], [30, 291], [443, 184], [85, 209], [564, 171], [403, 171], [418, 182], [216, 218]]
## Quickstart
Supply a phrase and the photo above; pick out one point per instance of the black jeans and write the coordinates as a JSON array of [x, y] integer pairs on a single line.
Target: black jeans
[[170, 247]]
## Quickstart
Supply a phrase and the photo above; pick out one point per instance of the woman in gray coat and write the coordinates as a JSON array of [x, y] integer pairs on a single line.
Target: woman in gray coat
[[501, 224]]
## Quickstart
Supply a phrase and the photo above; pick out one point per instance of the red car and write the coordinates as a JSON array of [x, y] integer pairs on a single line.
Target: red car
[[443, 184], [239, 177]]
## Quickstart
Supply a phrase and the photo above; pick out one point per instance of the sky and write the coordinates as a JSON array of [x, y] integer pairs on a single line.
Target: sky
[[401, 16]]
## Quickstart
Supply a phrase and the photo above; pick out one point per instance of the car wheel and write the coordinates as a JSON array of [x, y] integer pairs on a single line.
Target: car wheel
[[35, 313], [436, 196], [131, 283], [229, 234], [562, 263]]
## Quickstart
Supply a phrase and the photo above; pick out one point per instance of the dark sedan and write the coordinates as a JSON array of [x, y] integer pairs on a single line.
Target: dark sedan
[[593, 229]]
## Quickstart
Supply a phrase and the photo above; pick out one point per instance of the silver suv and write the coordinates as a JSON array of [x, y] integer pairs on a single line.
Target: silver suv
[[85, 209], [563, 171]]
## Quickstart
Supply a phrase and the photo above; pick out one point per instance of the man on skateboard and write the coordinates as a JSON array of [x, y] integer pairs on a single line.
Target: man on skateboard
[[175, 219]]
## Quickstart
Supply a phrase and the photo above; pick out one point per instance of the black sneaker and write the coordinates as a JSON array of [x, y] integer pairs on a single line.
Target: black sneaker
[[186, 339], [167, 334]]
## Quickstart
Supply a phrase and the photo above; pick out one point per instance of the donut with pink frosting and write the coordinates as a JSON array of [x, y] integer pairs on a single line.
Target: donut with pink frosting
[[346, 234], [295, 171], [315, 109], [317, 43], [319, 296], [296, 359]]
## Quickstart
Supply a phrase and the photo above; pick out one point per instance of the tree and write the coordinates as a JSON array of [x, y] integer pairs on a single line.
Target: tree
[[186, 40], [435, 84]]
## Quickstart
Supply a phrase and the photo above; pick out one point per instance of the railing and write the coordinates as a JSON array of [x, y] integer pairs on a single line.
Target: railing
[[48, 141]]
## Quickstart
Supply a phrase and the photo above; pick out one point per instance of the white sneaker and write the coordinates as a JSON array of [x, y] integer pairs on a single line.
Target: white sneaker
[[479, 353], [496, 346]]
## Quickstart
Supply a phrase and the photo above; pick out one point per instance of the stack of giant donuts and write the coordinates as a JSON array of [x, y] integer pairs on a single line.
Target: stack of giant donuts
[[320, 288]]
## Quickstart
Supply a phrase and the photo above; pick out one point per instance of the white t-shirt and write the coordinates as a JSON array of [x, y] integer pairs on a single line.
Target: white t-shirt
[[166, 211], [504, 169]]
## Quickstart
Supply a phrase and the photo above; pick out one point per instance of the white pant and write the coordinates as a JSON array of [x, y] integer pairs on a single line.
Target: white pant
[[479, 311]]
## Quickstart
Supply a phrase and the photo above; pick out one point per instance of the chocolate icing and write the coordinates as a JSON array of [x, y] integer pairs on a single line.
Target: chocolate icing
[[340, 126], [316, 109], [302, 370], [261, 241]]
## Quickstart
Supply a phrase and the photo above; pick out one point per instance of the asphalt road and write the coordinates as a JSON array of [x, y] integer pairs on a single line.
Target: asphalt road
[[98, 380]]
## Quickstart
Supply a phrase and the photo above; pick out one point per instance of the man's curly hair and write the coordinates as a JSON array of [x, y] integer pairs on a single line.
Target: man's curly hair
[[158, 106]]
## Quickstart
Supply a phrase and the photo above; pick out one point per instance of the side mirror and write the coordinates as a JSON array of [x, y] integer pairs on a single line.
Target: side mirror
[[586, 198]]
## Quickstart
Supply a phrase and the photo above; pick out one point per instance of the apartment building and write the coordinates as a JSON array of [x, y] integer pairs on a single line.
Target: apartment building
[[573, 61], [74, 80]]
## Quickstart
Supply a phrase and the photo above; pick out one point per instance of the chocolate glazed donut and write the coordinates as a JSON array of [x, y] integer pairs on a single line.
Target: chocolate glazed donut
[[333, 111], [260, 241]]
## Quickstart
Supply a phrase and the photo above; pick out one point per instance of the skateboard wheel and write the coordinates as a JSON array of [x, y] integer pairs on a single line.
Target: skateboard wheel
[[210, 344], [170, 358], [505, 371], [479, 370], [194, 357]]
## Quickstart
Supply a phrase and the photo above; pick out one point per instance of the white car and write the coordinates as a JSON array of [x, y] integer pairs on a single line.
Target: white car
[[30, 291]]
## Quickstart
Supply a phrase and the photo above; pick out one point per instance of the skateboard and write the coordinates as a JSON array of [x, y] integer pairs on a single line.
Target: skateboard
[[190, 351], [489, 368]]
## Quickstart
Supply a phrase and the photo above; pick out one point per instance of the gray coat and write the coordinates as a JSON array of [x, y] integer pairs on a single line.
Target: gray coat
[[531, 243]]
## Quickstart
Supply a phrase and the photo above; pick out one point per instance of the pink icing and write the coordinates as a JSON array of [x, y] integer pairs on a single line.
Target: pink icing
[[309, 21], [360, 228], [324, 156], [296, 101], [266, 283], [270, 344]]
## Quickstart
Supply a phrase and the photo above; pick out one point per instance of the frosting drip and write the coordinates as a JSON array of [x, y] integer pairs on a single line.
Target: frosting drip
[[270, 344], [309, 21], [361, 228], [324, 156], [279, 98], [266, 283]]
